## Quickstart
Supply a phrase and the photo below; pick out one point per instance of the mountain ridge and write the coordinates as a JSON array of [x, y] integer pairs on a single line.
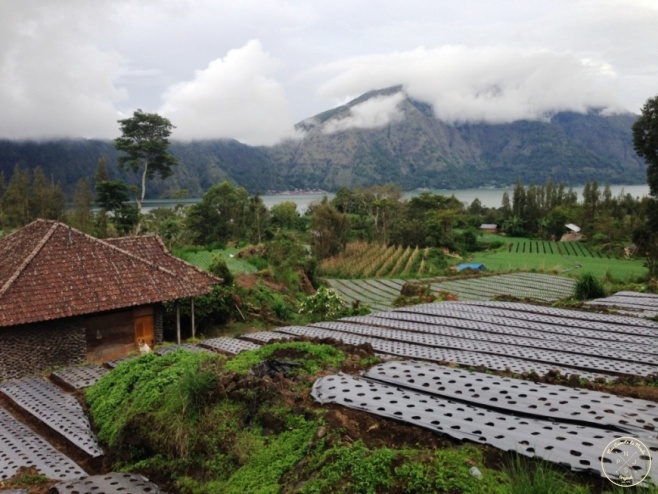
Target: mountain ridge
[[407, 146]]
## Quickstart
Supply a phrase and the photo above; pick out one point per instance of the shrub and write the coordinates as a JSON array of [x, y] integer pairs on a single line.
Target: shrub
[[326, 305], [588, 287], [219, 268]]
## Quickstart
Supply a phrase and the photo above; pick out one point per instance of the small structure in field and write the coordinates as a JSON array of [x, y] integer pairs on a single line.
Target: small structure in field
[[489, 227], [67, 297], [473, 266], [573, 235]]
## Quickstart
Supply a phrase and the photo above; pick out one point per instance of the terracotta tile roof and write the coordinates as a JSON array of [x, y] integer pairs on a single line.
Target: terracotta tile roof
[[49, 271]]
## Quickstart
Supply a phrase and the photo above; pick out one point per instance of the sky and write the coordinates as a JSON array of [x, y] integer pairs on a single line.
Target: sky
[[251, 69]]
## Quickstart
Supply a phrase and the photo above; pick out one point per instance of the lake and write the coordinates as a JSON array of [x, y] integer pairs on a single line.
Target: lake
[[491, 198]]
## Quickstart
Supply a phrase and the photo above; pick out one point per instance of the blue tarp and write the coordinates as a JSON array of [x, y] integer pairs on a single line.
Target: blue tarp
[[479, 267]]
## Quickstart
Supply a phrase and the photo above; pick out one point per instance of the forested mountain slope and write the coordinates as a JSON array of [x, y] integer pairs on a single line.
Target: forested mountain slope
[[412, 150]]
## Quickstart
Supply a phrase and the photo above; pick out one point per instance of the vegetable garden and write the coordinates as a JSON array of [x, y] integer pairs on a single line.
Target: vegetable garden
[[366, 260], [378, 294], [574, 258]]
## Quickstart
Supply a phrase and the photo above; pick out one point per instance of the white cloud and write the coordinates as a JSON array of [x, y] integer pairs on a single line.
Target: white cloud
[[375, 112], [53, 81], [491, 84], [234, 97]]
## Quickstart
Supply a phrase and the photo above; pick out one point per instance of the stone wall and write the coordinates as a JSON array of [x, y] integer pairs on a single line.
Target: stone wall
[[158, 323], [34, 348]]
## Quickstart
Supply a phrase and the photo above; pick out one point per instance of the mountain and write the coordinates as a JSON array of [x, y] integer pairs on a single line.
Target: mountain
[[417, 150], [354, 145]]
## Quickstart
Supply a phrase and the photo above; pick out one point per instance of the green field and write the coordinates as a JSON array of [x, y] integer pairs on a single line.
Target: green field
[[203, 258], [572, 258]]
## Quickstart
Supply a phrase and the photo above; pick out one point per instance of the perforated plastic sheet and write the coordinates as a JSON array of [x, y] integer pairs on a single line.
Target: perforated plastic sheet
[[580, 447], [79, 377], [565, 358], [497, 334], [229, 345], [58, 410], [551, 315], [184, 346], [627, 342], [641, 304], [111, 483], [522, 397], [19, 447], [264, 336], [461, 357]]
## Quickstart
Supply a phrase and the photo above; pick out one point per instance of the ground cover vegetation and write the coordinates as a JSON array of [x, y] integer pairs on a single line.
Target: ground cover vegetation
[[205, 423]]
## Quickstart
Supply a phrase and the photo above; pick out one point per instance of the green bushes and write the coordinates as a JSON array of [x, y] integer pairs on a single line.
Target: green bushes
[[326, 305], [588, 287], [135, 387]]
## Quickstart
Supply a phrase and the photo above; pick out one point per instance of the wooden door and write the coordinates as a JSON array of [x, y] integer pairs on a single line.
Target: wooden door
[[144, 329]]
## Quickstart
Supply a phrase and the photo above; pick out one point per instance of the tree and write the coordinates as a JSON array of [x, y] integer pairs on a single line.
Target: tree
[[145, 140], [82, 217], [645, 141], [17, 198], [329, 230], [221, 215], [111, 196]]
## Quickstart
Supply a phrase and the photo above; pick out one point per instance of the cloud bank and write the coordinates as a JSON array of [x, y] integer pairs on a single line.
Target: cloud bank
[[488, 84], [375, 112], [234, 97], [53, 81]]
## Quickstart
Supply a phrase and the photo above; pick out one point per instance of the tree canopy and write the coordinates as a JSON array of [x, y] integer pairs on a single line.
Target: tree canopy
[[145, 142], [645, 141]]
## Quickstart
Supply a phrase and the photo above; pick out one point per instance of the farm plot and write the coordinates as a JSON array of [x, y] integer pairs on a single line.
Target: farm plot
[[551, 422], [632, 303], [365, 260], [574, 258], [379, 294], [504, 335]]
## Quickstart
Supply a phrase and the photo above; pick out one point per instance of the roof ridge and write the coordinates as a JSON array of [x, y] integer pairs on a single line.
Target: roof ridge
[[29, 258], [123, 251]]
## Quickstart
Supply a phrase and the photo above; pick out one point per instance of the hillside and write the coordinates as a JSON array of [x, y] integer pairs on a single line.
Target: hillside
[[417, 150], [413, 150]]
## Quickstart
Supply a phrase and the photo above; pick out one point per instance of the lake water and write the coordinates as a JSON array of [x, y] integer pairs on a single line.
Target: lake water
[[491, 198]]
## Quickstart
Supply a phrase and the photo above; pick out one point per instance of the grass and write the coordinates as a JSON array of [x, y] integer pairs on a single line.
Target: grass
[[203, 258], [579, 260]]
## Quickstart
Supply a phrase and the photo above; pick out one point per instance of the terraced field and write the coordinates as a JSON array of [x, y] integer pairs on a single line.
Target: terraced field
[[378, 294]]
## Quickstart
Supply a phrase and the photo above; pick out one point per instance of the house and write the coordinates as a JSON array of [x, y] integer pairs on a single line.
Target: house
[[67, 297], [489, 227]]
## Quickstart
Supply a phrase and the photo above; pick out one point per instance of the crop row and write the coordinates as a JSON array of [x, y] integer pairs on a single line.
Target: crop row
[[378, 294], [559, 248], [364, 260]]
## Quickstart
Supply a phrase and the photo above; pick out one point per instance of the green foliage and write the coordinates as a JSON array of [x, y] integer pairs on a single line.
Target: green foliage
[[329, 230], [326, 305], [539, 477], [144, 141], [588, 287], [135, 387], [311, 357], [219, 268], [269, 459], [645, 141], [359, 469]]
